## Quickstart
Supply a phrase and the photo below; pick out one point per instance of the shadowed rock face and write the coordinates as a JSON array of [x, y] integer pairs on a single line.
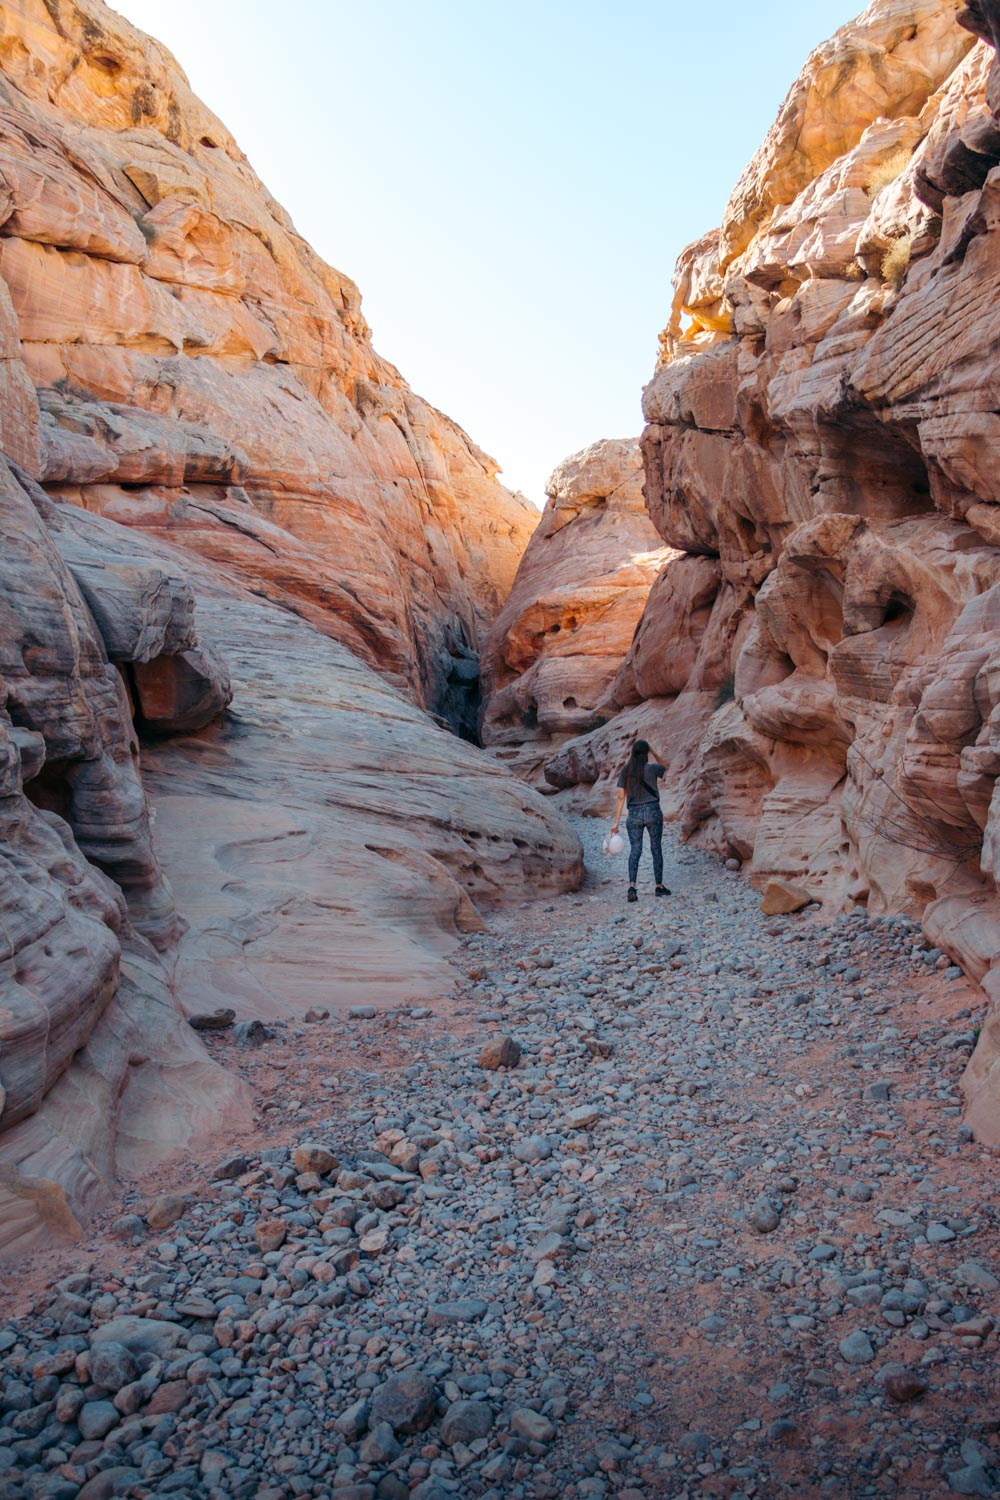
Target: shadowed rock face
[[238, 559], [822, 448], [204, 375], [553, 652]]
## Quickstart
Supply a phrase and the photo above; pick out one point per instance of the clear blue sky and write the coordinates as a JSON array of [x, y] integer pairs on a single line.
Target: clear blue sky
[[509, 183]]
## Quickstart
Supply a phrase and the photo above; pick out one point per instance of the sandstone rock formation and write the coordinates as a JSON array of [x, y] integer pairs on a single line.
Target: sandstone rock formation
[[212, 492], [204, 374], [822, 448], [550, 658]]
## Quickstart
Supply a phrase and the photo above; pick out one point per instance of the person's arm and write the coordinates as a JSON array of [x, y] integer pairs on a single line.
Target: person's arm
[[618, 809]]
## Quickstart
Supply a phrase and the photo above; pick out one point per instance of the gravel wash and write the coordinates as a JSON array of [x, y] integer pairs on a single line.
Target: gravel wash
[[672, 1199]]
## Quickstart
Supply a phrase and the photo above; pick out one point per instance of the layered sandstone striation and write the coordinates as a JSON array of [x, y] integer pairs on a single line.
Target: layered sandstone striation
[[556, 646], [822, 449], [242, 570], [206, 376]]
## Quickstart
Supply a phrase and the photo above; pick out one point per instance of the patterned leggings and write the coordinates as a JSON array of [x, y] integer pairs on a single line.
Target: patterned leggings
[[646, 815]]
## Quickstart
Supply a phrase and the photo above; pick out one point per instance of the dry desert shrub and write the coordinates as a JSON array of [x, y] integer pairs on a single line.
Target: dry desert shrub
[[896, 260]]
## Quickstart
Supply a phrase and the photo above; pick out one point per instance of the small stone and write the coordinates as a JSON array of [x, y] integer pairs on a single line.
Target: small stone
[[583, 1116], [465, 1422], [406, 1401], [230, 1167], [465, 1310], [380, 1446], [165, 1210], [270, 1234], [312, 1156], [856, 1348], [111, 1366], [128, 1227], [353, 1422], [140, 1335], [764, 1217], [532, 1426], [970, 1480], [362, 1013], [216, 1020], [782, 897], [500, 1052], [551, 1246], [939, 1234], [905, 1385], [971, 1274], [860, 1192], [533, 1150], [249, 1034], [96, 1419], [317, 1013]]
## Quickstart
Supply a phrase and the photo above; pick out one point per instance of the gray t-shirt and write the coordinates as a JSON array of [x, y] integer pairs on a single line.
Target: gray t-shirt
[[650, 791]]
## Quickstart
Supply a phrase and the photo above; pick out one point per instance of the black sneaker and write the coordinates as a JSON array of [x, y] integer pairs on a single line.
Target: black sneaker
[[663, 890], [633, 894]]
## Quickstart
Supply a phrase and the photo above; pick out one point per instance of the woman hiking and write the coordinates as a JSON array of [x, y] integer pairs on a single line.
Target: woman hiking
[[638, 784]]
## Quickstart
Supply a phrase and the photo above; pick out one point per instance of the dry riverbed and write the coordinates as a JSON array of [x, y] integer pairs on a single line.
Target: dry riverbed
[[719, 1232]]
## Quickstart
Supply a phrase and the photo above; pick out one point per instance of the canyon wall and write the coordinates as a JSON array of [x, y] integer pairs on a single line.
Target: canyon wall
[[206, 376], [243, 568], [822, 449], [555, 648]]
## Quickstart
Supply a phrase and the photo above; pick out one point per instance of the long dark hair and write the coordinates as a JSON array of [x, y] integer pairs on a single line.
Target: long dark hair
[[635, 769]]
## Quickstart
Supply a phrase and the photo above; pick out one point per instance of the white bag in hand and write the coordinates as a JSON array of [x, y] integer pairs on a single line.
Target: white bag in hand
[[613, 843]]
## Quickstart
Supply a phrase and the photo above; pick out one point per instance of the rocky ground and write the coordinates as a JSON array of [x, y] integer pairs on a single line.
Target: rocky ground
[[720, 1231]]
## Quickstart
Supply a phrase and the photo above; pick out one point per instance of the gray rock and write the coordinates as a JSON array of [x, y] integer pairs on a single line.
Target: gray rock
[[465, 1421], [353, 1422], [970, 1480], [96, 1419], [764, 1217], [111, 1365], [145, 1335], [465, 1310], [229, 1168], [406, 1401], [533, 1150], [969, 1273], [532, 1426], [500, 1052], [856, 1348]]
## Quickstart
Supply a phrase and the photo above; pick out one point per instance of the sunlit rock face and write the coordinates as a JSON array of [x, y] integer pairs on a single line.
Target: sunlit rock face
[[553, 653], [822, 447], [239, 559], [204, 375]]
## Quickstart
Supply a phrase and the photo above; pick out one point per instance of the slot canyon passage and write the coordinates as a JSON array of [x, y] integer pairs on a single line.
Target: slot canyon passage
[[357, 1141]]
